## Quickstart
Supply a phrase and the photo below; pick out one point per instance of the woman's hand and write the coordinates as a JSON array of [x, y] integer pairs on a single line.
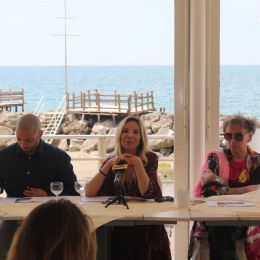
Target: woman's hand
[[208, 176], [139, 170], [110, 163], [132, 160]]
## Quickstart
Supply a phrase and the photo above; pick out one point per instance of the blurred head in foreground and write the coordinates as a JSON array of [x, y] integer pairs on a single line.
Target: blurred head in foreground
[[54, 230]]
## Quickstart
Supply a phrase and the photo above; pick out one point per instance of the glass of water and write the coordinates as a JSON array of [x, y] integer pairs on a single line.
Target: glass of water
[[79, 186], [56, 188]]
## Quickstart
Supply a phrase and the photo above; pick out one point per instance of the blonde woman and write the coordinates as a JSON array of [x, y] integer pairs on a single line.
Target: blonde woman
[[140, 180], [54, 230]]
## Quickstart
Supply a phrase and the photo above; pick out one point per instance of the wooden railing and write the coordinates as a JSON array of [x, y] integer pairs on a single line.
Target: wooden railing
[[11, 98], [92, 101]]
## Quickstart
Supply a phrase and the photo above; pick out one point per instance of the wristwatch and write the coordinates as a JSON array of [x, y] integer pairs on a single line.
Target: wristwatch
[[222, 190], [220, 180]]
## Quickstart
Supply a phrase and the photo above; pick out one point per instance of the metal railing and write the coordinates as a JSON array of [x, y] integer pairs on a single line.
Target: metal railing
[[101, 143], [39, 107], [56, 119]]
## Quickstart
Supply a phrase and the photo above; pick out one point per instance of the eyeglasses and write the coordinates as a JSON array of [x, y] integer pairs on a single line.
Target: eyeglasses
[[237, 136]]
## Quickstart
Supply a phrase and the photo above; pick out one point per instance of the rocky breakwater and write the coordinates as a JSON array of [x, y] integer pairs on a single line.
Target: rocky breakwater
[[158, 123]]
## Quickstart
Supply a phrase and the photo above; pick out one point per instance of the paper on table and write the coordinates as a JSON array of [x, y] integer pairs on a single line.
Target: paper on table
[[95, 199], [230, 204], [253, 196], [7, 200]]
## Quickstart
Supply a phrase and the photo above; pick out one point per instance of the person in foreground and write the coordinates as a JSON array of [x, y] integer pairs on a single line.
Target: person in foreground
[[27, 168], [235, 170], [54, 230], [140, 180]]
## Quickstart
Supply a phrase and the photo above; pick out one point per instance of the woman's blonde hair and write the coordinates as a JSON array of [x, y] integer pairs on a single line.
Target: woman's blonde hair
[[142, 148], [54, 230]]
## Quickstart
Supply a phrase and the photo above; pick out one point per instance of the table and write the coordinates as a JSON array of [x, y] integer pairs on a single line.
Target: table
[[139, 213], [142, 213]]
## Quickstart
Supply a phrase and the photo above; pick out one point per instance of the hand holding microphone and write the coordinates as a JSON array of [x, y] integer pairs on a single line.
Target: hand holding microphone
[[119, 170]]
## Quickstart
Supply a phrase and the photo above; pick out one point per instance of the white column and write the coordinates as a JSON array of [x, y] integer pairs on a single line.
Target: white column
[[213, 73], [181, 124], [197, 86]]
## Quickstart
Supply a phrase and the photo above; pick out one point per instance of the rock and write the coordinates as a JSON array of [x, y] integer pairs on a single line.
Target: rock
[[4, 130], [9, 119], [64, 145], [166, 151], [111, 141], [157, 144], [149, 131], [153, 117], [89, 145], [74, 127], [107, 124], [75, 145], [164, 122]]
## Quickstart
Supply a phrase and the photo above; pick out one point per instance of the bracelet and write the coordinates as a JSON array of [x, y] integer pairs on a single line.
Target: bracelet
[[220, 180], [101, 172], [222, 190]]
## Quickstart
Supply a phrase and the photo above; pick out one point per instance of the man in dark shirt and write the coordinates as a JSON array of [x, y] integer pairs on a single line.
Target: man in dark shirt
[[28, 167]]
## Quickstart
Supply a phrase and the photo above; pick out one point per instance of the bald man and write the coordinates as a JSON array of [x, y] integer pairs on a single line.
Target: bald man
[[27, 168]]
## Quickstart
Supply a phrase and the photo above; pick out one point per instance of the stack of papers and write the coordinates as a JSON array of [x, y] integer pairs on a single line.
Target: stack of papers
[[230, 203]]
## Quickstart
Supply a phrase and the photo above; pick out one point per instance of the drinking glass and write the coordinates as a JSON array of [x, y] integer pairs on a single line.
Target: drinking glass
[[56, 188], [79, 186]]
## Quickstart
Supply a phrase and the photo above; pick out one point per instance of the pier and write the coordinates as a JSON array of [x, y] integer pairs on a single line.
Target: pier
[[11, 99], [109, 103]]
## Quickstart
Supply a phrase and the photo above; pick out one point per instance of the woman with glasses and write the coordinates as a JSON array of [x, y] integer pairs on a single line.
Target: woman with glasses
[[234, 170]]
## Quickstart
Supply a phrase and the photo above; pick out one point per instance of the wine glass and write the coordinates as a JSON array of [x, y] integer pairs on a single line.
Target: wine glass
[[56, 188], [79, 186]]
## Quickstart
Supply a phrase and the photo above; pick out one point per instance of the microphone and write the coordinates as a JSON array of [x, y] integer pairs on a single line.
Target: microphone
[[119, 170], [121, 166]]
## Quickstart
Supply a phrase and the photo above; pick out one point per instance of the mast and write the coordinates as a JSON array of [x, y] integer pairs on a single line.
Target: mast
[[65, 35], [65, 49]]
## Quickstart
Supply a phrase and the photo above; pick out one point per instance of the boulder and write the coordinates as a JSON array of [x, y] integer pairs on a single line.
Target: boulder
[[9, 119], [74, 127], [4, 130], [107, 124], [111, 141], [89, 145], [157, 144], [75, 145], [166, 121]]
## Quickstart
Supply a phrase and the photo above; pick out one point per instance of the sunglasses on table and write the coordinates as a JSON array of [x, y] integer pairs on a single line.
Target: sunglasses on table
[[237, 136]]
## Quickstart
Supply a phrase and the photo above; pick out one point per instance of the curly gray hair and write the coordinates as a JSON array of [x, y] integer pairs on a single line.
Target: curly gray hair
[[247, 123]]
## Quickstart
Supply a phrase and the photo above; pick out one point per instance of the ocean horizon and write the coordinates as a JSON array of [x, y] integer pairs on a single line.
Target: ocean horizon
[[236, 81]]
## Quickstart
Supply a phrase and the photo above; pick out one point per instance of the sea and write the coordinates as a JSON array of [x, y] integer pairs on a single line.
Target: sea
[[239, 93]]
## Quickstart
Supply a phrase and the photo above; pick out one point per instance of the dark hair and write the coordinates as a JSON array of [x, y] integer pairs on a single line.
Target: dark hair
[[54, 230], [249, 124]]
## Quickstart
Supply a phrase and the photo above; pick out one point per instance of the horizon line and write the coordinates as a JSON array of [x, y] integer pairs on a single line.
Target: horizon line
[[111, 65]]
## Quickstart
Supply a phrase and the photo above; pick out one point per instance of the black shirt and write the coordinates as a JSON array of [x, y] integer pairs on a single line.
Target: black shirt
[[19, 171]]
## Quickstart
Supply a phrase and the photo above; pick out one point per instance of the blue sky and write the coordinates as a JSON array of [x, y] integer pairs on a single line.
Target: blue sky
[[240, 32], [111, 32], [115, 32]]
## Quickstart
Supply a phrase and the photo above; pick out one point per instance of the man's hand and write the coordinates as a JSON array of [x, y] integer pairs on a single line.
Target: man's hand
[[34, 192], [208, 176], [250, 188]]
